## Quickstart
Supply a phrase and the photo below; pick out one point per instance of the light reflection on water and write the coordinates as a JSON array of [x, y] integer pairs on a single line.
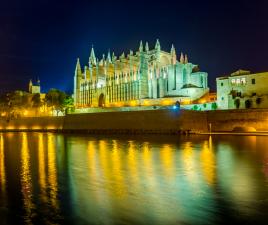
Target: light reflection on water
[[77, 179], [26, 180]]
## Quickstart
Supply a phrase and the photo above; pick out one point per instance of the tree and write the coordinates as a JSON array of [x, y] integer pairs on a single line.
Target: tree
[[18, 101], [36, 102], [68, 103], [58, 100]]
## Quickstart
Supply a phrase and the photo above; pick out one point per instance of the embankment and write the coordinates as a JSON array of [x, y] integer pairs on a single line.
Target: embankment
[[149, 121], [238, 120]]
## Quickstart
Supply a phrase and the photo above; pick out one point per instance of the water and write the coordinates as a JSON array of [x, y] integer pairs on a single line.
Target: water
[[50, 178]]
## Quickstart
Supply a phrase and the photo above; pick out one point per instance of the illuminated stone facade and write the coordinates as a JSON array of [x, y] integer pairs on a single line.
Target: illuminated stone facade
[[145, 77], [242, 89], [34, 88]]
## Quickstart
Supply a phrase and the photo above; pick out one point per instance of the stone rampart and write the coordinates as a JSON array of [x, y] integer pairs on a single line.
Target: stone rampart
[[150, 121], [229, 120]]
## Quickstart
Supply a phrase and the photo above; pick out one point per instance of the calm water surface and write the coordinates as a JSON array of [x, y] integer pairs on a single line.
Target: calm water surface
[[50, 178]]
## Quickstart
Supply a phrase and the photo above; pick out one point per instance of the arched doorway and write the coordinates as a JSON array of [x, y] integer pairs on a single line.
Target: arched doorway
[[101, 100]]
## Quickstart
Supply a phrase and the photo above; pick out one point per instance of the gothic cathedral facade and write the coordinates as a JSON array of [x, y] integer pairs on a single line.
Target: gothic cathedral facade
[[149, 74]]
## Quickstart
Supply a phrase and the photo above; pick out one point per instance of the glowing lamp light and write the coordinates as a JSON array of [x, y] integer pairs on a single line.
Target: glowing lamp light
[[166, 102], [36, 128], [133, 103], [146, 102], [202, 101], [186, 101], [25, 113]]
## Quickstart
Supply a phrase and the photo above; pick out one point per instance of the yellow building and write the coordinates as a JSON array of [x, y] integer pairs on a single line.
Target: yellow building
[[148, 77], [242, 89]]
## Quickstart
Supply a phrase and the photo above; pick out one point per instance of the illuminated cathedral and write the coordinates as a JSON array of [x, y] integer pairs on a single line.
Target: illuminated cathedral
[[145, 77]]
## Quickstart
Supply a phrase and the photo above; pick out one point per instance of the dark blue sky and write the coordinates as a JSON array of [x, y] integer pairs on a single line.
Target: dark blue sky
[[44, 38]]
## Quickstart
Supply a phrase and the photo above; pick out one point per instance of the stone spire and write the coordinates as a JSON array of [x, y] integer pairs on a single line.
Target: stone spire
[[102, 62], [78, 71], [92, 58], [141, 47], [113, 57], [182, 58], [146, 47], [172, 51], [30, 85], [109, 59], [122, 56], [157, 45], [186, 59], [173, 54], [38, 81]]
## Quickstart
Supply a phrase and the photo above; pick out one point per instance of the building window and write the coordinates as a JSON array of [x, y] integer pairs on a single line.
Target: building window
[[237, 81], [253, 81], [233, 81], [221, 83], [222, 98], [243, 80]]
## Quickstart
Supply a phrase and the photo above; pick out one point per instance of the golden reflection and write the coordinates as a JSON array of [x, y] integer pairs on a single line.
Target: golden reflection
[[251, 142], [52, 171], [148, 163], [92, 159], [2, 166], [208, 161], [26, 181], [41, 163], [104, 159], [189, 162], [166, 155], [119, 185], [132, 162]]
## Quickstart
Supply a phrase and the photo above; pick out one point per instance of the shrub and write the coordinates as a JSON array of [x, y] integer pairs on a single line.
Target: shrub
[[214, 106]]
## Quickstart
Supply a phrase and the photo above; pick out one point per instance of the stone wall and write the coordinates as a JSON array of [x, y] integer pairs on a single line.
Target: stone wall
[[150, 121], [228, 120], [33, 123]]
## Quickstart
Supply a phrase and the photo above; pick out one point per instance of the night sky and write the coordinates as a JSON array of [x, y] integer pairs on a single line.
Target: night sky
[[44, 38]]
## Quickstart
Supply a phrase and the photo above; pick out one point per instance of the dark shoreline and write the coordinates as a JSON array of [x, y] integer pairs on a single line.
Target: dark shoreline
[[136, 132]]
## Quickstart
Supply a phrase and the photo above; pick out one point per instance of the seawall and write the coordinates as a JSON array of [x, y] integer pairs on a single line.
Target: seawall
[[229, 120], [150, 121]]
